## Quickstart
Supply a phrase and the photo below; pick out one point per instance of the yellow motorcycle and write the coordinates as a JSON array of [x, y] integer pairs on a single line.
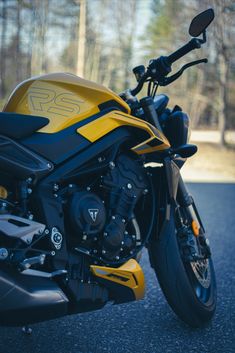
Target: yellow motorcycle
[[88, 178]]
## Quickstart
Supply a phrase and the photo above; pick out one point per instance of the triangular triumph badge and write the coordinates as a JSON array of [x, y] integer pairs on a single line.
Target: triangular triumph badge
[[93, 212]]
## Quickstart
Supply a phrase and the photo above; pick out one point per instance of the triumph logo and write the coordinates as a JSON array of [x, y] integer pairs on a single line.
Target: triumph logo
[[93, 212]]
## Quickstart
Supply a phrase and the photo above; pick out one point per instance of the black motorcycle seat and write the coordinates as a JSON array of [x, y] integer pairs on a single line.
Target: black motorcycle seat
[[18, 126], [160, 103]]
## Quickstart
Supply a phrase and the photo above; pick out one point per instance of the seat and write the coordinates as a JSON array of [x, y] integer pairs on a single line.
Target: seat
[[18, 126]]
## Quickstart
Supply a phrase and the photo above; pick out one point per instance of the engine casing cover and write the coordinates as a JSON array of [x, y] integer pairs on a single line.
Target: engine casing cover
[[87, 213]]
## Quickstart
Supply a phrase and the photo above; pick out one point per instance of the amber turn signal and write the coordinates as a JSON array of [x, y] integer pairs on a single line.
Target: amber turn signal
[[195, 228]]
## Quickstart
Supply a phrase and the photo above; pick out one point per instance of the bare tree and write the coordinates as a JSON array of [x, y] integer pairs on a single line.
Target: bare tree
[[224, 35], [3, 48], [81, 39]]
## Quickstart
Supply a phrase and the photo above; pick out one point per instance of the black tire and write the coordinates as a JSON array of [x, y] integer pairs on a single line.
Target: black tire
[[178, 282]]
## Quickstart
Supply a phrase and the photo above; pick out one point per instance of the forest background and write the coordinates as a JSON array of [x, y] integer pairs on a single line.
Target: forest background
[[102, 40]]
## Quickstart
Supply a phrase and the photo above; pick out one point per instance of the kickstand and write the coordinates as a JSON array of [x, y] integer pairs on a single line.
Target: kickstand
[[27, 330]]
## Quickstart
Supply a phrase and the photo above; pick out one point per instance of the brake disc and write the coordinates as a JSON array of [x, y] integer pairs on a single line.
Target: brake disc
[[202, 271]]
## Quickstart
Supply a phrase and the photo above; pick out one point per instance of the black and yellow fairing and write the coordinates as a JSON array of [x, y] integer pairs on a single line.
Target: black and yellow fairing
[[67, 101], [82, 117]]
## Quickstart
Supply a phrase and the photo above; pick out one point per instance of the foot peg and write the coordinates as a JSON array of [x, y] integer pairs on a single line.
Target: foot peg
[[36, 260]]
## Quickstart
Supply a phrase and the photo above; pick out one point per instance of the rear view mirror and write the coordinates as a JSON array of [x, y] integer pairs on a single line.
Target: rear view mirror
[[201, 22]]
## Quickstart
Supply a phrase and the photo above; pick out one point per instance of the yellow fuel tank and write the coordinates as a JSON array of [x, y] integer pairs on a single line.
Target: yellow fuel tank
[[63, 98]]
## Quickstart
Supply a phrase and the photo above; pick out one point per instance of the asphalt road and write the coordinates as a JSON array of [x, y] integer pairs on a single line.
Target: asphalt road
[[149, 325]]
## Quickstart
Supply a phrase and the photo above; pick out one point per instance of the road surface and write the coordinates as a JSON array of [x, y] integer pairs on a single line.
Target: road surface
[[149, 325]]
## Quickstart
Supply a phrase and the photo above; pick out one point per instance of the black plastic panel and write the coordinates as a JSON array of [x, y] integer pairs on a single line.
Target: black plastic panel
[[57, 147], [27, 299], [74, 166], [160, 102], [112, 104], [20, 162], [176, 129]]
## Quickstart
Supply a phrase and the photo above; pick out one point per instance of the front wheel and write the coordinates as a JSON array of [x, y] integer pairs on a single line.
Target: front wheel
[[189, 286]]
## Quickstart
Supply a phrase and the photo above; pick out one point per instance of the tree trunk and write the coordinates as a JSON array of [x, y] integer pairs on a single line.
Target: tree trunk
[[18, 35], [45, 11], [30, 40], [81, 39], [3, 50], [223, 96]]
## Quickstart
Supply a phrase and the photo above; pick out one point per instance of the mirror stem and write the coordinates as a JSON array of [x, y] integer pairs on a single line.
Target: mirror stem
[[203, 40], [204, 36]]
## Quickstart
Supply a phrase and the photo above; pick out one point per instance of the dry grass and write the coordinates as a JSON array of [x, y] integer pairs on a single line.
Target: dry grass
[[211, 164]]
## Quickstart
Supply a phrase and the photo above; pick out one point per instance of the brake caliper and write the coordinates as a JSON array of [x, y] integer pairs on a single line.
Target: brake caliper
[[192, 248]]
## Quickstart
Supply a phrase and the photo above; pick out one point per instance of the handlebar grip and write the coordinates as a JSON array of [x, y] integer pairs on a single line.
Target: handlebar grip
[[191, 45]]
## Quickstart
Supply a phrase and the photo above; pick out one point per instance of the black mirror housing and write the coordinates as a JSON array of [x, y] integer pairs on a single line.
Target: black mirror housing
[[201, 22]]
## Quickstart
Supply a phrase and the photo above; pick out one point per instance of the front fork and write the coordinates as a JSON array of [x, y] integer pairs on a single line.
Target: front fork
[[186, 202], [190, 231], [179, 195]]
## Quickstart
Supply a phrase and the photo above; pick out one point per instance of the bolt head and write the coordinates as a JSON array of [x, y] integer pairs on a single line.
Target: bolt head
[[111, 165], [129, 186], [57, 237], [3, 253], [56, 187], [103, 252], [27, 330], [117, 257]]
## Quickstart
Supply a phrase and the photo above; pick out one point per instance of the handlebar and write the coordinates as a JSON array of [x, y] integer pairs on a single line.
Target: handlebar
[[191, 45], [159, 68], [174, 77], [140, 84]]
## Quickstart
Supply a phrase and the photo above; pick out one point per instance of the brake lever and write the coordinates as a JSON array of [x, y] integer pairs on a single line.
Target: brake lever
[[167, 80]]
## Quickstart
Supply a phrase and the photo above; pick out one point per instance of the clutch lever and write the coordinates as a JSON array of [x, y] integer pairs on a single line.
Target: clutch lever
[[167, 80]]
